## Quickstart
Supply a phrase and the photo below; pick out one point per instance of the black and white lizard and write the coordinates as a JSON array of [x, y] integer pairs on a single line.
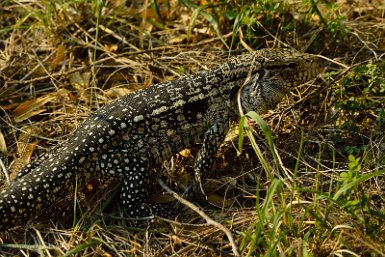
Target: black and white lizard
[[137, 132]]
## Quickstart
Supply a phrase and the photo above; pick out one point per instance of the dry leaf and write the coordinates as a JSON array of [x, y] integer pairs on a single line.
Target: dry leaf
[[9, 107], [25, 150], [3, 145], [185, 153], [111, 47], [25, 158], [30, 108], [116, 92], [80, 81], [177, 39], [28, 115], [59, 56]]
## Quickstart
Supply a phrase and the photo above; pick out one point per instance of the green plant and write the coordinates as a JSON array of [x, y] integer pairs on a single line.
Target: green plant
[[352, 197]]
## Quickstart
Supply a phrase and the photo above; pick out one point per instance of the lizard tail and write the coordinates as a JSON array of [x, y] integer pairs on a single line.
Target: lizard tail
[[26, 197]]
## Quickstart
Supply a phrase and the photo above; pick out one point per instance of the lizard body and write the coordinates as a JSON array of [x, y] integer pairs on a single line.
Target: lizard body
[[135, 133]]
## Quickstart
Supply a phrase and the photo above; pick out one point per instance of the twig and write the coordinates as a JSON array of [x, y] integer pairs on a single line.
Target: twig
[[196, 209], [7, 178], [85, 67]]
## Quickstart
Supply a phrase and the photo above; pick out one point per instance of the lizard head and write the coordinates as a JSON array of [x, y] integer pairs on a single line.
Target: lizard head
[[276, 73]]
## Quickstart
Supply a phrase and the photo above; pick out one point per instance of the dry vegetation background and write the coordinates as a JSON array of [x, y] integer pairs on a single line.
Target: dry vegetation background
[[321, 192]]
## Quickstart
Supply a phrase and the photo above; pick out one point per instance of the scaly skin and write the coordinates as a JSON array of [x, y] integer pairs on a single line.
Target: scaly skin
[[136, 133]]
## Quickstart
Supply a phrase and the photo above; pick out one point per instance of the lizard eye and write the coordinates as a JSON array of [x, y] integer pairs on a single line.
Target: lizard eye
[[292, 65]]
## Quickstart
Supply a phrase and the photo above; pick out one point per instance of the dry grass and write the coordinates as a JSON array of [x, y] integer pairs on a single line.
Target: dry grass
[[61, 60]]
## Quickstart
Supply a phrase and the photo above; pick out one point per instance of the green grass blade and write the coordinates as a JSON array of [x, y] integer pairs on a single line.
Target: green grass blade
[[241, 134], [27, 247], [243, 127], [263, 125], [207, 16], [80, 247], [356, 182]]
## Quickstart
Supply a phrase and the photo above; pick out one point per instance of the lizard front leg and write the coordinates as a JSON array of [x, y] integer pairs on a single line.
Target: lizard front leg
[[213, 138]]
